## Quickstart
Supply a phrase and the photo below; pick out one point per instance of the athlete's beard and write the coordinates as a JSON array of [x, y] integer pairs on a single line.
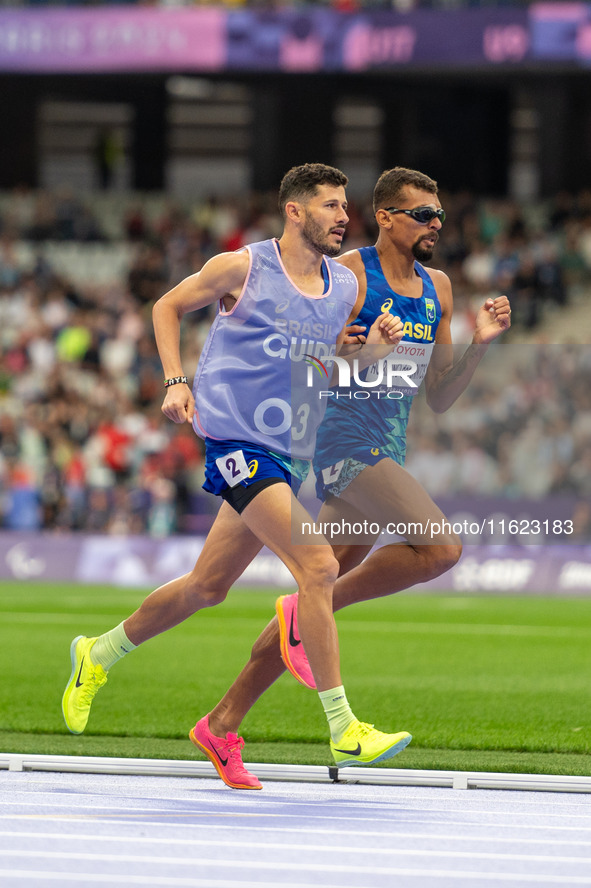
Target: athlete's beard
[[315, 236], [422, 253]]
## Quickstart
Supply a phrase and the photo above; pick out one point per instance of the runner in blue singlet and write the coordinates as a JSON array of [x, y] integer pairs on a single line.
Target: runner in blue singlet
[[360, 431]]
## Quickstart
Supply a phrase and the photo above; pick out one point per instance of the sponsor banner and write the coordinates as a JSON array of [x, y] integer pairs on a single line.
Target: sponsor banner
[[561, 32], [137, 38], [203, 39], [107, 39], [325, 40], [308, 39], [144, 562], [563, 570]]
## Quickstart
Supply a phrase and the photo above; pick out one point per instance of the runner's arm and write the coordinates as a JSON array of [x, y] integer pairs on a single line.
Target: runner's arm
[[385, 331], [221, 278], [446, 377]]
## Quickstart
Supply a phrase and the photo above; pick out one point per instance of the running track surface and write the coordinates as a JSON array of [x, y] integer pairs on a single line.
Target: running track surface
[[60, 829]]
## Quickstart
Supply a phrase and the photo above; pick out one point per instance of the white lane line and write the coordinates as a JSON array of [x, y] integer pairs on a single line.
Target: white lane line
[[396, 809], [69, 617], [498, 804], [473, 878], [444, 628], [397, 802], [159, 840], [293, 846], [469, 629], [388, 825], [15, 762], [35, 876]]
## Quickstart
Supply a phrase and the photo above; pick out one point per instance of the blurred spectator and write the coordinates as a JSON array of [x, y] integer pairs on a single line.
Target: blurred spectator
[[148, 275], [108, 154], [526, 296]]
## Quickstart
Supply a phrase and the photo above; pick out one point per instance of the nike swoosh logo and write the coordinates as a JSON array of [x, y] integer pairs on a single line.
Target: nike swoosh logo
[[350, 751], [223, 761], [292, 639], [78, 682]]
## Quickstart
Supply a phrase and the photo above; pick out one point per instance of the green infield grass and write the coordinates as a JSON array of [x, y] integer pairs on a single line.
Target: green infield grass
[[483, 683]]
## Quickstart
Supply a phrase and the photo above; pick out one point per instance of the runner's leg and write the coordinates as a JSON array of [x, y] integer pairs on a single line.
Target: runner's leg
[[228, 550]]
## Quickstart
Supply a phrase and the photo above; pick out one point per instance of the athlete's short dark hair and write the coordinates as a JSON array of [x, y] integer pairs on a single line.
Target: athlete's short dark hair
[[301, 182], [389, 186]]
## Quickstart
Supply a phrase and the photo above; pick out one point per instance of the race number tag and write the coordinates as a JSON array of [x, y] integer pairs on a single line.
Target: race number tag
[[233, 467], [331, 474]]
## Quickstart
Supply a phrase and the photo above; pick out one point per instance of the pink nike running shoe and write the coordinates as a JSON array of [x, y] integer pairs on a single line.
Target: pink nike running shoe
[[292, 649], [224, 754]]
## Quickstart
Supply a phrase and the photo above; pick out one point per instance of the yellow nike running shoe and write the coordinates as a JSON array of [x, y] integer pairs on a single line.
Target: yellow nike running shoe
[[86, 679], [361, 744]]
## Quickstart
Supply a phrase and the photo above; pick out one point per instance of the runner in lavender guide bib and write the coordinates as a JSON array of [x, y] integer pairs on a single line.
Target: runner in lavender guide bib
[[278, 302]]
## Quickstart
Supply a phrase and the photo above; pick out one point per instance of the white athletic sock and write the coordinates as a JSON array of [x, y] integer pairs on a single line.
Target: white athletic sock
[[110, 647], [338, 712]]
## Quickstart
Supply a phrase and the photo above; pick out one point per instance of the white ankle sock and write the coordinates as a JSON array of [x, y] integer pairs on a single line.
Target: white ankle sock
[[110, 647], [338, 712]]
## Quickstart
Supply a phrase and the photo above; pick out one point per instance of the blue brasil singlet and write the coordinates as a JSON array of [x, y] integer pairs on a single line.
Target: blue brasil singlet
[[259, 370], [369, 422]]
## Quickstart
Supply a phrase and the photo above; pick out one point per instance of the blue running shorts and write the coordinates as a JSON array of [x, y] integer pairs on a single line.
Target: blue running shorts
[[229, 464]]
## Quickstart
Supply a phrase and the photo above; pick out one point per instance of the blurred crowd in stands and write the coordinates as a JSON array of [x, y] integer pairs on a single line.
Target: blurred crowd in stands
[[343, 5], [83, 443]]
